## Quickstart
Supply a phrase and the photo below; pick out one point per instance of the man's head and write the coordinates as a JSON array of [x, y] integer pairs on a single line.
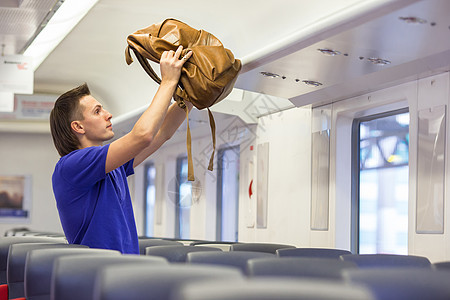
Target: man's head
[[66, 110]]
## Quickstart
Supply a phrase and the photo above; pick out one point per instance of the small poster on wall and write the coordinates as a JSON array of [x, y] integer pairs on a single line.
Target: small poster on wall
[[262, 183], [15, 198]]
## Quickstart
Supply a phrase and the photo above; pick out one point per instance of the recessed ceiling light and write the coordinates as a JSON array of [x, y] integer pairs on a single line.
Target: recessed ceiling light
[[329, 52], [413, 20], [269, 74], [64, 19], [378, 61], [311, 82]]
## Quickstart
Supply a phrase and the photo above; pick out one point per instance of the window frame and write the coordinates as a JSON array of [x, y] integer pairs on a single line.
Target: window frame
[[355, 172]]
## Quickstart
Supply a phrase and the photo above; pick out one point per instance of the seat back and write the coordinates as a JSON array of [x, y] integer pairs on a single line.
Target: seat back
[[403, 283], [39, 267], [442, 265], [158, 282], [144, 243], [307, 267], [259, 247], [224, 246], [236, 259], [312, 252], [74, 276], [271, 289], [387, 260], [5, 242], [16, 264], [176, 253]]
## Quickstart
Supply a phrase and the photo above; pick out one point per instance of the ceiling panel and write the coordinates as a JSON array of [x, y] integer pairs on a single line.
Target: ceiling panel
[[19, 21], [405, 39]]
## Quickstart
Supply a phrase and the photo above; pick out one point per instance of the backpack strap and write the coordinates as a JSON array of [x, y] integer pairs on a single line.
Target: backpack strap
[[212, 124], [191, 176], [179, 97]]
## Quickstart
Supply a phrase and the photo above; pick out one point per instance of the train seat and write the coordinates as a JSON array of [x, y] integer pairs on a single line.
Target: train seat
[[39, 268], [387, 260], [308, 267], [259, 247], [312, 252], [236, 259], [224, 246], [74, 276], [442, 265], [158, 282], [144, 243], [269, 288], [16, 264], [5, 242], [402, 283], [176, 253]]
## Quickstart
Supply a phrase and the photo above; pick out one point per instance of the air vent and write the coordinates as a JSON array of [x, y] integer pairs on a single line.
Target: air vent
[[378, 61], [270, 75], [312, 83], [328, 52], [413, 20]]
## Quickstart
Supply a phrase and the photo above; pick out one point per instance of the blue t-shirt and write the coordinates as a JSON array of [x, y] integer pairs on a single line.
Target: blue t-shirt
[[95, 208]]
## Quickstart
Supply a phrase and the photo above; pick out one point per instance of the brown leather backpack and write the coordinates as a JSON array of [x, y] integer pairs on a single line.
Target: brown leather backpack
[[206, 78]]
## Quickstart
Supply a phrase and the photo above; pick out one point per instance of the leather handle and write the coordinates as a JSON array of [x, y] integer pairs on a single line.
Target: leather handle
[[144, 63], [179, 96]]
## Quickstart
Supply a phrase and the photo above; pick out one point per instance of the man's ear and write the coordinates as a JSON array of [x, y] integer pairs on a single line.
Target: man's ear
[[77, 127]]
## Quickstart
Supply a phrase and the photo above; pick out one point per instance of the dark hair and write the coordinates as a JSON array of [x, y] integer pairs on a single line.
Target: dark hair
[[67, 109]]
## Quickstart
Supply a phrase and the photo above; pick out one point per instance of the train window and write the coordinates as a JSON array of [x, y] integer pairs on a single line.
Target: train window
[[183, 200], [381, 201], [227, 194], [150, 197]]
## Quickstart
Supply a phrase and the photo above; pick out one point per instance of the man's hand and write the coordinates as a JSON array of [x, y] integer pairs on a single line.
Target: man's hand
[[171, 64]]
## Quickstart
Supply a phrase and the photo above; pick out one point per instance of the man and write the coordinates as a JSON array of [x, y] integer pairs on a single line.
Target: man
[[89, 180]]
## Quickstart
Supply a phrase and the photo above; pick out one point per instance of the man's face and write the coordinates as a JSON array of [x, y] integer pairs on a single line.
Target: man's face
[[97, 121]]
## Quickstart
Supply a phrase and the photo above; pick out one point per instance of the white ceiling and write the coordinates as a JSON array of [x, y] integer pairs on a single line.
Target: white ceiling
[[278, 36]]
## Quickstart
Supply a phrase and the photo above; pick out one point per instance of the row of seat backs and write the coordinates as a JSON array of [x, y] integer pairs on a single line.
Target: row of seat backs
[[75, 277], [231, 246], [62, 271], [279, 249], [39, 263], [71, 273], [159, 281], [266, 264], [47, 256], [314, 263], [373, 283], [177, 252]]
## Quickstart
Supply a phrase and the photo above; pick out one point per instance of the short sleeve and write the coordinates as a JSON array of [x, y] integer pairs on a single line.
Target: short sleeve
[[129, 170], [84, 167]]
